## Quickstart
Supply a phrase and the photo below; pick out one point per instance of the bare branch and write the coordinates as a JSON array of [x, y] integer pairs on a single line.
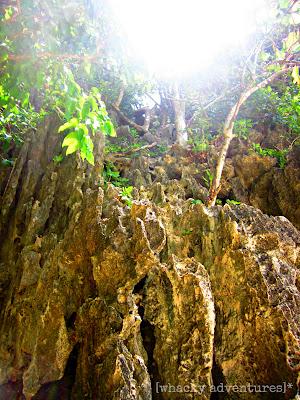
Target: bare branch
[[154, 101], [211, 103], [139, 128], [228, 131], [120, 97]]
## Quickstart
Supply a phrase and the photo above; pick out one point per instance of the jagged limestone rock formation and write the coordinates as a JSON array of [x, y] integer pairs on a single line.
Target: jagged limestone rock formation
[[103, 301], [247, 177]]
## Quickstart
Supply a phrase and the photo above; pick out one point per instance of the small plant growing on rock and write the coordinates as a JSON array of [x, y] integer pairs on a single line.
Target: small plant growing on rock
[[242, 128], [280, 155], [126, 195], [208, 178], [233, 202], [196, 201], [112, 175], [186, 232]]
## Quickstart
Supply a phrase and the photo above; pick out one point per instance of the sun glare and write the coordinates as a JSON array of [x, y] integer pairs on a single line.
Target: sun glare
[[177, 37]]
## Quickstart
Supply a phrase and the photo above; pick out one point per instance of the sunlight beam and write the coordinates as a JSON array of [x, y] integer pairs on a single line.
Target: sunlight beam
[[177, 37]]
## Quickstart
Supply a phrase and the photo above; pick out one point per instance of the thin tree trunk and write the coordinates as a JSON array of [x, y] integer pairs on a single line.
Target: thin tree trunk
[[179, 110], [147, 119], [228, 133]]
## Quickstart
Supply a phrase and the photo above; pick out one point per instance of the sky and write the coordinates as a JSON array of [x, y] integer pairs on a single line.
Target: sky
[[176, 37]]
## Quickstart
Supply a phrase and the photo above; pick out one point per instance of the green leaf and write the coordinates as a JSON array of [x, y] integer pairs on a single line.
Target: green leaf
[[90, 158], [25, 101], [73, 147], [295, 75], [93, 103], [196, 201], [86, 108], [72, 141], [87, 142], [8, 13], [4, 57], [40, 79], [70, 107], [83, 153], [7, 163], [274, 68], [127, 191], [70, 124], [233, 202], [73, 89], [291, 40], [83, 128], [58, 159], [109, 129], [95, 91]]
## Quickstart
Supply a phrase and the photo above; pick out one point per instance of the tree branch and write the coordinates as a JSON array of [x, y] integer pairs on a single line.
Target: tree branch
[[120, 97], [131, 123], [228, 132]]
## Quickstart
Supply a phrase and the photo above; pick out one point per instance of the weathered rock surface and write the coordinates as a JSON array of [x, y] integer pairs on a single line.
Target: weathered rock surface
[[248, 177], [103, 301]]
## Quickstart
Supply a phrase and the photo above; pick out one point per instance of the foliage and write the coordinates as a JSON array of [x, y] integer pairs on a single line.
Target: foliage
[[71, 58], [158, 150], [196, 201], [112, 175], [279, 105], [58, 159], [198, 145], [289, 111], [208, 178], [84, 115], [280, 155], [242, 128], [233, 202], [186, 232], [200, 134], [39, 44], [5, 162], [14, 119], [126, 195], [113, 148], [134, 133]]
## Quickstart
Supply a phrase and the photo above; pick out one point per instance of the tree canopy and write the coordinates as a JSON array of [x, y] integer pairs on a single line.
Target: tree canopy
[[73, 59]]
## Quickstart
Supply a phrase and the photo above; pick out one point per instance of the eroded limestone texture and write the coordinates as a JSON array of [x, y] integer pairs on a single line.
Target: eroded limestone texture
[[100, 301]]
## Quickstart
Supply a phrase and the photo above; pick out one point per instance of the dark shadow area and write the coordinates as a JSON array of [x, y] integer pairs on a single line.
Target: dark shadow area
[[70, 321], [62, 389], [140, 285], [218, 379], [12, 391], [148, 336]]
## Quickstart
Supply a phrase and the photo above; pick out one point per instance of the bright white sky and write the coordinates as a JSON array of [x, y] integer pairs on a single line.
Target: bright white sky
[[175, 37]]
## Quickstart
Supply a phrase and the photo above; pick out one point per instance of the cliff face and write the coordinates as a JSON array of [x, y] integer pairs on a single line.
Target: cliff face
[[103, 301]]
